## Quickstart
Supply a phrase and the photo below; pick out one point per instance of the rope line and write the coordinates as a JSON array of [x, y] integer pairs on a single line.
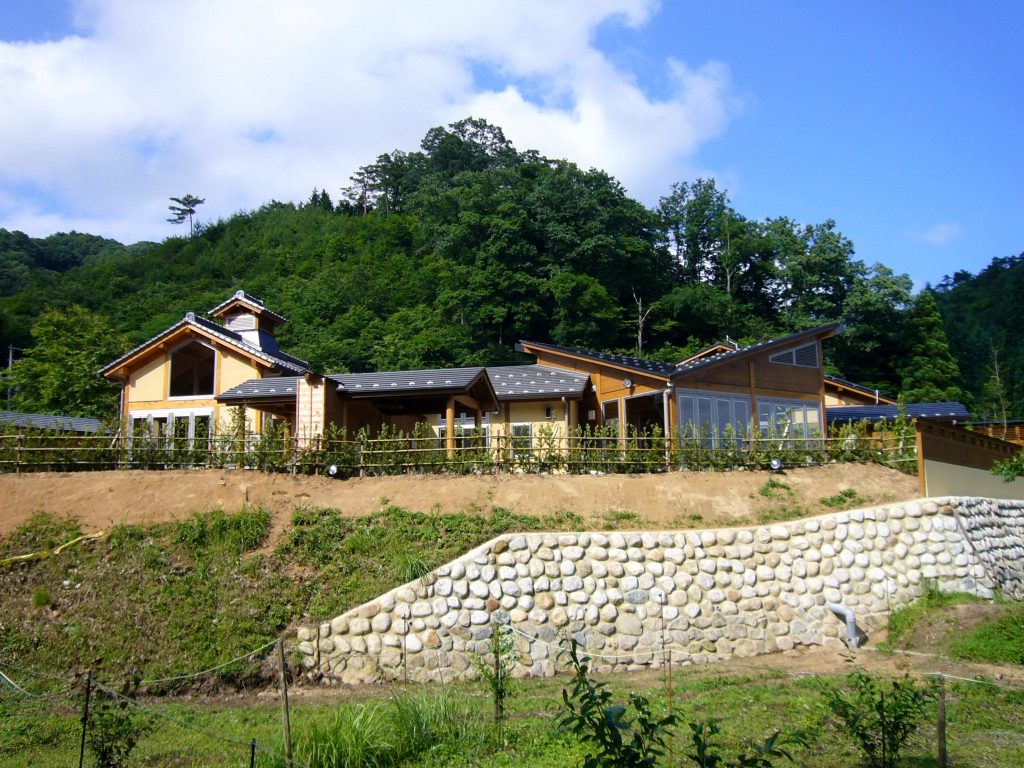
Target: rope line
[[211, 669], [189, 727], [6, 679]]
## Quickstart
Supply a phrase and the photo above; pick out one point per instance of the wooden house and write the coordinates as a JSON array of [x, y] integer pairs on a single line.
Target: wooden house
[[170, 383], [776, 383]]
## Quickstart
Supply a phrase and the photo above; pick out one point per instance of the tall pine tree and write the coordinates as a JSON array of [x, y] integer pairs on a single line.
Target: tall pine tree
[[930, 374]]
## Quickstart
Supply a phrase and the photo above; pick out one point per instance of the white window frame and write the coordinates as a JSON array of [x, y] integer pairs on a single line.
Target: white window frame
[[172, 415], [170, 370], [766, 416], [778, 357], [713, 401]]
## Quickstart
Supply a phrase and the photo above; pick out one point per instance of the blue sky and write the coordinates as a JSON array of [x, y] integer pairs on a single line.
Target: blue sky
[[900, 121]]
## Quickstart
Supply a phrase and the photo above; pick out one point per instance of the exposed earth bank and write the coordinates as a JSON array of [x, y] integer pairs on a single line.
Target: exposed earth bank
[[675, 500]]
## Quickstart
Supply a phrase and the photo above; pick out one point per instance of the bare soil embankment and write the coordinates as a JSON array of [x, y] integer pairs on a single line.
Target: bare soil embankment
[[674, 500]]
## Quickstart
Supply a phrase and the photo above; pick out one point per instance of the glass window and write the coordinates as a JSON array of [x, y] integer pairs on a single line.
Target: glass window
[[714, 416], [610, 413], [192, 370], [522, 440], [778, 417]]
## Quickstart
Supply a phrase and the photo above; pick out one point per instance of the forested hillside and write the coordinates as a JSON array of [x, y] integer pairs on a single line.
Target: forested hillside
[[450, 254], [984, 318]]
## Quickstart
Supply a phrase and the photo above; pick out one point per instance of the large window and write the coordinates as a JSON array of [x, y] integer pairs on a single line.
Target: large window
[[192, 370], [722, 419], [777, 417]]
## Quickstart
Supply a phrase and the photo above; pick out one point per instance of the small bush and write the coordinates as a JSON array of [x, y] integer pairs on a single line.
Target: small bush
[[41, 598], [881, 719], [611, 739]]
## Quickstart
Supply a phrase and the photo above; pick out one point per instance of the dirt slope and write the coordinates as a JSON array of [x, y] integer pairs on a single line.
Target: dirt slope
[[100, 499]]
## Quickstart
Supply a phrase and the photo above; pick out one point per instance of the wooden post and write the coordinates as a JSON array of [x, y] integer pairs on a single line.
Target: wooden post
[[449, 437], [284, 702], [940, 725], [85, 717]]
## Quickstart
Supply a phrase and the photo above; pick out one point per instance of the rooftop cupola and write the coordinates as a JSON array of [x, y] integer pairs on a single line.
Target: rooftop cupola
[[246, 316]]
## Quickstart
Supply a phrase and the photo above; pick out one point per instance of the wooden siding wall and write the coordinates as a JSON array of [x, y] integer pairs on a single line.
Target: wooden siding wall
[[757, 376], [952, 444], [1013, 433]]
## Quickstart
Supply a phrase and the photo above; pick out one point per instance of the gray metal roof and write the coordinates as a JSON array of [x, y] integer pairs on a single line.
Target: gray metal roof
[[251, 301], [853, 385], [623, 361], [882, 412], [532, 382], [288, 362], [704, 362], [262, 389], [80, 424], [406, 382]]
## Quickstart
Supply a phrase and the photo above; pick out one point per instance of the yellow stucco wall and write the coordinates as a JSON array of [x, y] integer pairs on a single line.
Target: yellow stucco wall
[[149, 382], [147, 389], [233, 369]]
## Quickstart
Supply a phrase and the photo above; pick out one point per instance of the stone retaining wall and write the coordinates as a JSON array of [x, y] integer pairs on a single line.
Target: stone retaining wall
[[628, 597]]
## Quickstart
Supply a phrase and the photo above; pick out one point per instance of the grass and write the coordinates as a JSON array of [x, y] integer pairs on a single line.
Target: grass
[[1000, 642], [174, 598], [927, 608], [430, 727], [847, 498]]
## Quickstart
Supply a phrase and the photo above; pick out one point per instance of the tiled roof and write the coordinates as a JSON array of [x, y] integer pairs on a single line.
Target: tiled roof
[[251, 301], [703, 362], [427, 380], [262, 389], [80, 424], [946, 410], [528, 382], [623, 361], [287, 362]]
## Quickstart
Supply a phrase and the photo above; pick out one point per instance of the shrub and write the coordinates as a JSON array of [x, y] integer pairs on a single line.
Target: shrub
[[881, 719], [612, 740], [707, 755]]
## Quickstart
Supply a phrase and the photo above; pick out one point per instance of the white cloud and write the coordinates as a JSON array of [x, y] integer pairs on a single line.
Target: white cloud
[[940, 234], [241, 101]]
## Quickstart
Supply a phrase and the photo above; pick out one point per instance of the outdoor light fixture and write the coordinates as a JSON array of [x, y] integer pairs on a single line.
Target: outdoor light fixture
[[776, 464], [627, 383], [333, 470]]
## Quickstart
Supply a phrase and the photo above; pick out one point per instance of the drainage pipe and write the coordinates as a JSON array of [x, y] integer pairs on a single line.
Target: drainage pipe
[[851, 622]]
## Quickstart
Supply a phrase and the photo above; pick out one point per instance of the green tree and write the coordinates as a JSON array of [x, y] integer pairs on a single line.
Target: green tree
[[930, 373], [185, 208], [870, 351], [58, 374]]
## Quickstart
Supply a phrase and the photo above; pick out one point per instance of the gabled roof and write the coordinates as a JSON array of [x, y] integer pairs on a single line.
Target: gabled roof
[[79, 424], [429, 381], [884, 412], [284, 361], [262, 389], [712, 349], [821, 332], [842, 383], [532, 382], [251, 303], [648, 367]]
